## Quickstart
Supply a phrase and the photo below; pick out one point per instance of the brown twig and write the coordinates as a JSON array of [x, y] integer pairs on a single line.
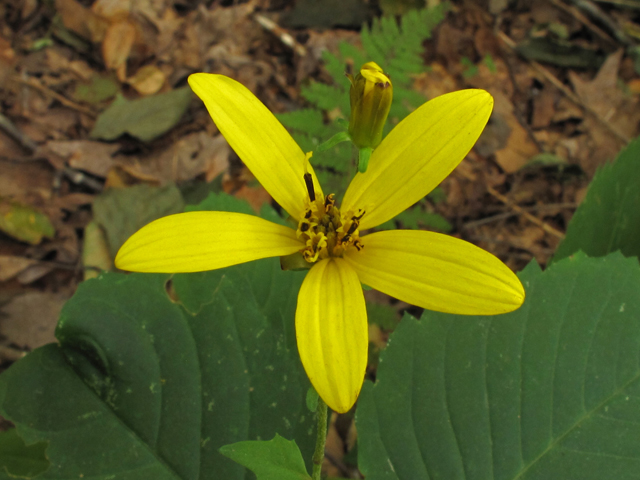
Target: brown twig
[[596, 12], [10, 129], [622, 3], [505, 215], [11, 354], [284, 36], [564, 89], [578, 15], [516, 208], [33, 83]]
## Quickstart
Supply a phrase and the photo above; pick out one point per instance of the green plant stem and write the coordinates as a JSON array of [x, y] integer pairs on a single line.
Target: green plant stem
[[321, 439]]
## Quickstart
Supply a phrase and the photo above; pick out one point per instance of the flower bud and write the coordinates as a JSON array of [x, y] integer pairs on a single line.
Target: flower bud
[[371, 94]]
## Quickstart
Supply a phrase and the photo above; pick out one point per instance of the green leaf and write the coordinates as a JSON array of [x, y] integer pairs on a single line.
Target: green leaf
[[550, 391], [19, 460], [608, 219], [148, 384], [99, 89], [277, 459], [24, 222], [145, 118], [383, 315], [123, 211], [146, 388]]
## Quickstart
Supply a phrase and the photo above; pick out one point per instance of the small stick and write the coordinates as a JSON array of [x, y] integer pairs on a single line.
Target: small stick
[[622, 3], [516, 208], [564, 89], [596, 12], [32, 82], [10, 129], [284, 36], [578, 15], [504, 215], [11, 354]]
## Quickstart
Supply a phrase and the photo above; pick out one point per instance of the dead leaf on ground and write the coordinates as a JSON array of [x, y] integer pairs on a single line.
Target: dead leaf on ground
[[620, 109], [112, 9], [25, 179], [7, 60], [256, 196], [87, 155], [437, 81], [519, 147], [193, 155], [82, 20], [29, 320], [116, 46], [148, 80], [11, 265], [95, 251]]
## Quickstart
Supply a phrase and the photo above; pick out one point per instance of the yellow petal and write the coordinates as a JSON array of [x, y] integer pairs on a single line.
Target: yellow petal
[[199, 241], [332, 333], [418, 154], [437, 272], [258, 138]]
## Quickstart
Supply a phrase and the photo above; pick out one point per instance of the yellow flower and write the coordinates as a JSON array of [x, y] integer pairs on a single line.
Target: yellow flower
[[427, 269]]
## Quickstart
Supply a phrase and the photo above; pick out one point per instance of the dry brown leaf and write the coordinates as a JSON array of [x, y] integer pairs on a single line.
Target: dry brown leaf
[[28, 7], [22, 179], [256, 196], [29, 320], [148, 80], [7, 60], [621, 110], [87, 155], [117, 44], [601, 93], [114, 10], [82, 20], [544, 108], [34, 272], [437, 81], [634, 86], [194, 154], [10, 266]]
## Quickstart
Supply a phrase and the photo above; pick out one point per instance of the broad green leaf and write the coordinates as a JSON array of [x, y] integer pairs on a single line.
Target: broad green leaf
[[277, 459], [145, 118], [608, 219], [144, 388], [550, 391], [149, 385], [24, 223], [18, 460], [123, 211]]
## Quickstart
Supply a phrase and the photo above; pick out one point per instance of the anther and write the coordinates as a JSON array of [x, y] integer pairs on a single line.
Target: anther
[[308, 180]]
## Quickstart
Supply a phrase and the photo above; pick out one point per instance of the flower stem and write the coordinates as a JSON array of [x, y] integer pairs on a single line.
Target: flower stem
[[321, 439]]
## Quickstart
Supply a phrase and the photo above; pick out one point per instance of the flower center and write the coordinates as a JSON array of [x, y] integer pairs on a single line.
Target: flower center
[[326, 231]]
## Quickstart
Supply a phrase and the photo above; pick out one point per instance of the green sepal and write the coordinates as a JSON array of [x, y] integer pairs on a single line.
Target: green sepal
[[364, 154]]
